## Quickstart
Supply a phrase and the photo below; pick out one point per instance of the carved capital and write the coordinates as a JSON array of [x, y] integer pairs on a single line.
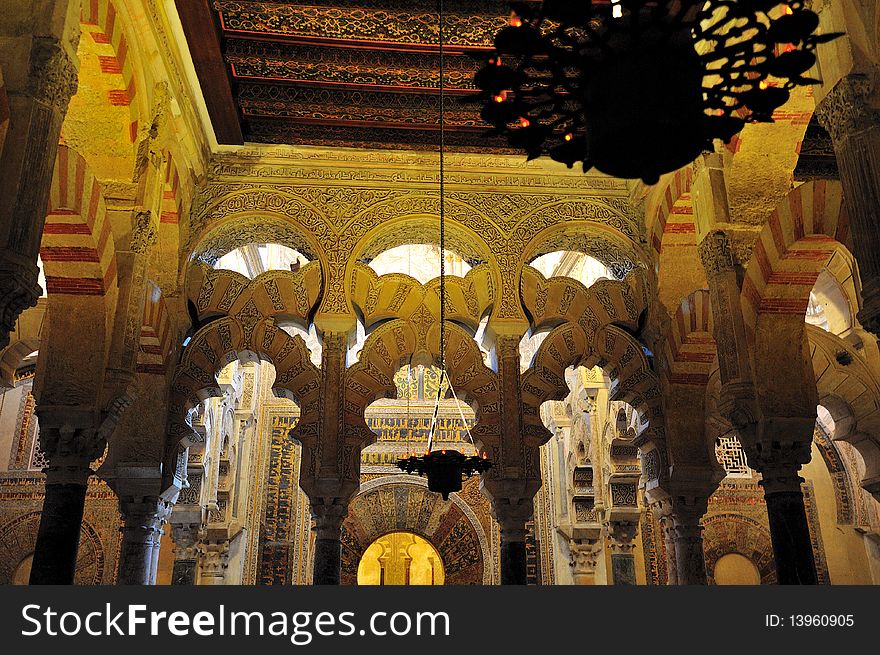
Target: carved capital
[[18, 291], [70, 450], [185, 537], [716, 253], [53, 74], [584, 557], [214, 557], [779, 463], [846, 110], [622, 535], [144, 234]]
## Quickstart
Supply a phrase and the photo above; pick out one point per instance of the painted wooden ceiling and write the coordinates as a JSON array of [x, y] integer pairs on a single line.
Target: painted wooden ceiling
[[334, 73]]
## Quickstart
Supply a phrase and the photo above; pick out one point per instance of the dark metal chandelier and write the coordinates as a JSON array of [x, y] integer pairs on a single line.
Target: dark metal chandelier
[[444, 468], [638, 88]]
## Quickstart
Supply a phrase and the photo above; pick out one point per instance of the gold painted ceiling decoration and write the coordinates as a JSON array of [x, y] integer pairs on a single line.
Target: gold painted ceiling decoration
[[335, 73]]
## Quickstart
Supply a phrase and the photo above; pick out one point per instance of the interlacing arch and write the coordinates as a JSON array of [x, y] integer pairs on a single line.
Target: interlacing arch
[[396, 343], [277, 294], [397, 295], [77, 248], [690, 345], [226, 340]]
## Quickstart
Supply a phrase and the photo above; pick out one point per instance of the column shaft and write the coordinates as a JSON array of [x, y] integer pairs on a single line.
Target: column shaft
[[58, 535]]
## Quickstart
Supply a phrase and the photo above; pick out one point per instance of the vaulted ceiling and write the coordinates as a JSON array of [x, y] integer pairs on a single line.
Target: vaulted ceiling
[[363, 73]]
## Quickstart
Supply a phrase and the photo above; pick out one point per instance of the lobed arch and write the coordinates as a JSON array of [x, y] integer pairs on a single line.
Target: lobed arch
[[280, 295], [395, 295], [226, 340], [396, 343], [558, 300], [611, 348]]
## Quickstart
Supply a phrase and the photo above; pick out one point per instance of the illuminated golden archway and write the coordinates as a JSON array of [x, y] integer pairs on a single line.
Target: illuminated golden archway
[[400, 558]]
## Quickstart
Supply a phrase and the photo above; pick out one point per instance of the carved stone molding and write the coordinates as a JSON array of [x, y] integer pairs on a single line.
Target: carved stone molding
[[144, 234]]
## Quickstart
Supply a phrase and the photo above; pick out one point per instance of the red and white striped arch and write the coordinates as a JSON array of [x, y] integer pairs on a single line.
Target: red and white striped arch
[[690, 343], [677, 185], [156, 340], [77, 248], [103, 15], [799, 240]]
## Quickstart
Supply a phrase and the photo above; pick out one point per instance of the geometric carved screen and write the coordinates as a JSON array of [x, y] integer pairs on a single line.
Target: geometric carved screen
[[732, 457]]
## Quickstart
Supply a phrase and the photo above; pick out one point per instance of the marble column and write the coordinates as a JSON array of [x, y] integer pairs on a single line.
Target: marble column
[[854, 125], [213, 560], [71, 443], [328, 545], [789, 530], [38, 100], [141, 538], [584, 557], [623, 561], [185, 537]]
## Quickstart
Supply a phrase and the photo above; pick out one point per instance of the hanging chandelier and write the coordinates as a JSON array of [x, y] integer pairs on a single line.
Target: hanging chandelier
[[638, 88], [445, 468]]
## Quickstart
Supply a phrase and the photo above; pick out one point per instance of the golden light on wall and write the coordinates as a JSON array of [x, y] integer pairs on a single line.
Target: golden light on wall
[[400, 558]]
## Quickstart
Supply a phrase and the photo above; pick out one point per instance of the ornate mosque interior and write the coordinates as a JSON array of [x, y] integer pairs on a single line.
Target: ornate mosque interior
[[219, 293]]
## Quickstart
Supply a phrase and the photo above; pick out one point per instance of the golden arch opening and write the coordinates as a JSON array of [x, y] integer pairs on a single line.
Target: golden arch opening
[[401, 558]]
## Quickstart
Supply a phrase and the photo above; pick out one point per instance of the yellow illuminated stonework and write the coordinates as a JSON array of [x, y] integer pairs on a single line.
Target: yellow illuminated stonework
[[400, 558]]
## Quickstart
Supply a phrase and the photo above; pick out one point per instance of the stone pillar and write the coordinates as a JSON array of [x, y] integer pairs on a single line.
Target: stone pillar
[[512, 514], [328, 545], [38, 99], [737, 402], [854, 126], [789, 530], [213, 558], [690, 561], [71, 442], [142, 534], [584, 557], [186, 553], [623, 561]]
